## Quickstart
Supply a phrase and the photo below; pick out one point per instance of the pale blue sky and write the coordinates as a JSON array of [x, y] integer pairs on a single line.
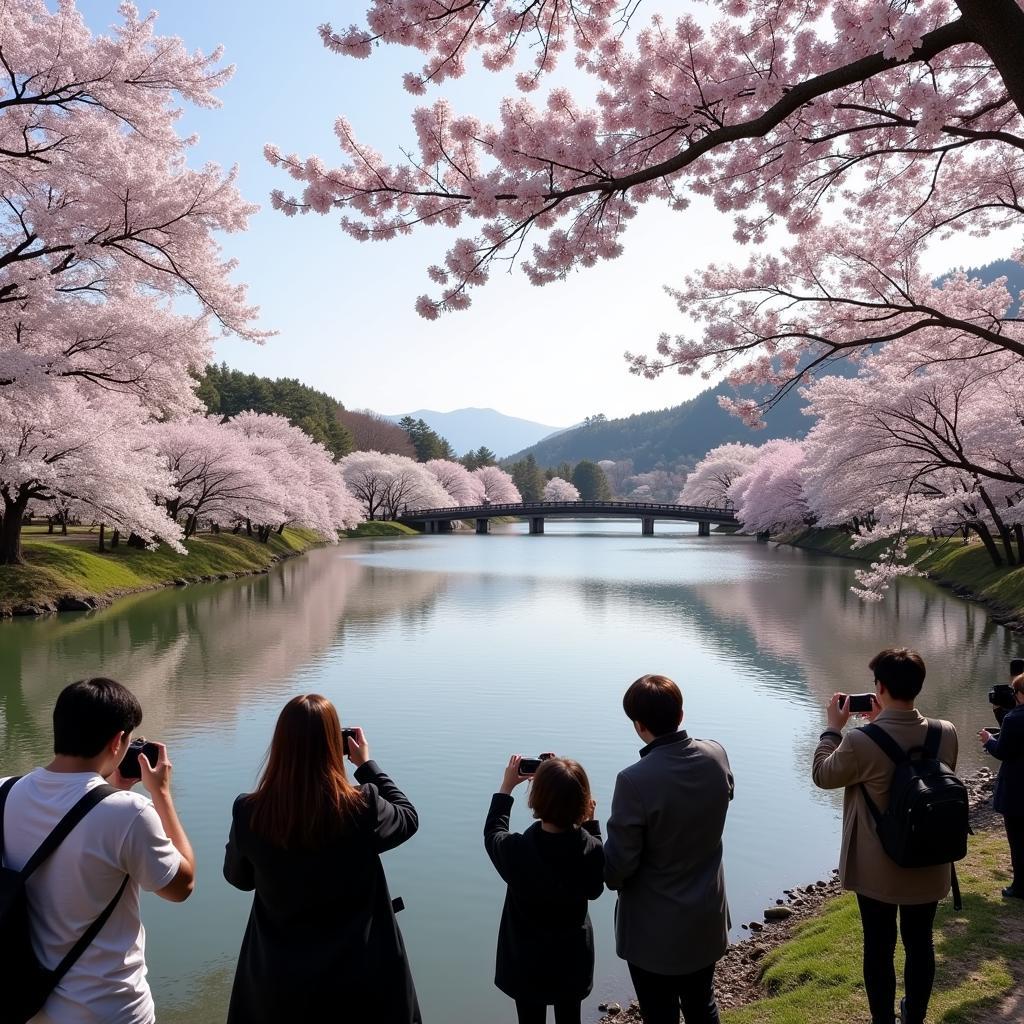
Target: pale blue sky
[[344, 309]]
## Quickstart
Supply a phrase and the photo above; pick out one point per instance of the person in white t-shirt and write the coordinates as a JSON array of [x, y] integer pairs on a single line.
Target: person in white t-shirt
[[127, 833]]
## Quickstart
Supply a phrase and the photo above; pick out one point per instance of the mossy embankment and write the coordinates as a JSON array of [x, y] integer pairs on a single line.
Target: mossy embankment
[[62, 574], [966, 569], [381, 528]]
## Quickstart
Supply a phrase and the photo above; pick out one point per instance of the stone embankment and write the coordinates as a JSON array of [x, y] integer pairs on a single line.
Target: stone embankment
[[738, 975]]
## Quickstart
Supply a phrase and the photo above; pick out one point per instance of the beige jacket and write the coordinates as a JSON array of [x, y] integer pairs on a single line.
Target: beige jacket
[[864, 866]]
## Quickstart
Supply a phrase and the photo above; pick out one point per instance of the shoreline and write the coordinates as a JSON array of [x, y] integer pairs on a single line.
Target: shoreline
[[965, 570], [739, 975]]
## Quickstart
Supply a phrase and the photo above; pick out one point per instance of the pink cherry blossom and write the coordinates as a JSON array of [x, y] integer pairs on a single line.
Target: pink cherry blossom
[[557, 489]]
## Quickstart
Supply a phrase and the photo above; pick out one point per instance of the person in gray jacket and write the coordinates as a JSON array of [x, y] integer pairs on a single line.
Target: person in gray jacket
[[663, 855]]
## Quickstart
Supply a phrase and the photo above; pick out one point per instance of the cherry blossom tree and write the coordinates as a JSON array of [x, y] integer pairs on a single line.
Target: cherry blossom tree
[[865, 130], [557, 489], [499, 488], [463, 487], [714, 475], [90, 449], [770, 496], [388, 485], [109, 271]]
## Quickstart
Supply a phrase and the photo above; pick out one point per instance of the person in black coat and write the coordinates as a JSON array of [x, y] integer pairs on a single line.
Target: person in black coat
[[1008, 747], [545, 940], [322, 943]]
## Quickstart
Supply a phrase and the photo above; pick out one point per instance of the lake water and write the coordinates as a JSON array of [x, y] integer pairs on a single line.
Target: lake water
[[453, 652]]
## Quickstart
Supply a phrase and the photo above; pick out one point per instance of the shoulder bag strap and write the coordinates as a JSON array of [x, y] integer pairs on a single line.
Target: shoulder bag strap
[[933, 740], [892, 749], [4, 790], [65, 825], [88, 935]]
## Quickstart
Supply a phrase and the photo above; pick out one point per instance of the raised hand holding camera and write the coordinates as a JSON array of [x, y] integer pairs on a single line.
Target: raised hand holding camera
[[513, 776], [356, 746]]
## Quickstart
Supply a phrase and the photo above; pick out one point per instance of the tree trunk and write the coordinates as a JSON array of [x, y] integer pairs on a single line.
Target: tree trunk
[[997, 519], [64, 525], [215, 527], [280, 530], [190, 526], [248, 528], [986, 538], [135, 541], [236, 528], [115, 539], [49, 521], [998, 27], [103, 529], [1018, 532], [10, 531]]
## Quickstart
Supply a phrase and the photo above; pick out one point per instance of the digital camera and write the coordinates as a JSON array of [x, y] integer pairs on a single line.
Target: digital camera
[[129, 766]]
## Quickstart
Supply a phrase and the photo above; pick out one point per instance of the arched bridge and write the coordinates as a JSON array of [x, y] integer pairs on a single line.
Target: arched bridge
[[440, 520]]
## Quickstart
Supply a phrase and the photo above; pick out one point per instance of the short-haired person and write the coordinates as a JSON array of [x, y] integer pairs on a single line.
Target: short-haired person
[[663, 854], [322, 942], [1008, 748], [126, 839], [545, 941], [884, 889]]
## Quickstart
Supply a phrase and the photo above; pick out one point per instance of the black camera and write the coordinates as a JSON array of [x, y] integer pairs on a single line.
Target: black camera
[[860, 703], [1002, 696], [346, 735], [130, 767], [529, 765]]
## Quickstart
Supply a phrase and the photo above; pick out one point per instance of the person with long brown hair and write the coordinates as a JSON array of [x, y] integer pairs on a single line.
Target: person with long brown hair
[[322, 937]]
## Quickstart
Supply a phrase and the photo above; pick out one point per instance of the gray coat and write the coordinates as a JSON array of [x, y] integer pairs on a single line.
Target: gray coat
[[663, 854]]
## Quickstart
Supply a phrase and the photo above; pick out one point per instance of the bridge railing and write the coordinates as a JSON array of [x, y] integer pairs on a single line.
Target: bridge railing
[[526, 507]]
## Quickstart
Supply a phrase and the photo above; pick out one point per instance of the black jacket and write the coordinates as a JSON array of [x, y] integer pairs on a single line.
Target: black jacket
[[1008, 747], [545, 941], [322, 941]]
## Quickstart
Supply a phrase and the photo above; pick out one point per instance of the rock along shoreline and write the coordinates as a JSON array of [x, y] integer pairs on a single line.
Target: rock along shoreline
[[739, 972]]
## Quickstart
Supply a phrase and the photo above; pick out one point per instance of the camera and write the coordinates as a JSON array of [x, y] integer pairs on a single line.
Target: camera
[[129, 766], [529, 765], [860, 703], [1001, 696], [346, 735]]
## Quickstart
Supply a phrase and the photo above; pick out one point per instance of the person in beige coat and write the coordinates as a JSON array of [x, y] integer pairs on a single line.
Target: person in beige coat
[[884, 889]]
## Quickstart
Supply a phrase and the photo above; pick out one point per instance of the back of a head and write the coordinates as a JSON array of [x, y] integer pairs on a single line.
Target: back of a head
[[900, 670], [560, 793], [89, 713], [656, 703], [304, 798]]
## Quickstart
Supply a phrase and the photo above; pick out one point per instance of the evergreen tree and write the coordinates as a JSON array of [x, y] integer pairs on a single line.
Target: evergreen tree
[[483, 456], [589, 479], [427, 442], [528, 478]]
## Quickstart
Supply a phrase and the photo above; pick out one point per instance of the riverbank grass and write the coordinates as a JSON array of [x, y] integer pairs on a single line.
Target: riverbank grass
[[816, 975], [948, 561], [381, 528], [56, 570]]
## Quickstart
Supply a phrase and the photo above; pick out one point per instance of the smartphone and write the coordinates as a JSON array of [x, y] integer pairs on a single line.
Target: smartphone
[[346, 735], [860, 703], [129, 766], [529, 765], [994, 733]]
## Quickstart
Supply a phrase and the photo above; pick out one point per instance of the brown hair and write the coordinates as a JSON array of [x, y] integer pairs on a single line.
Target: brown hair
[[304, 799], [900, 670], [1017, 682], [656, 703], [560, 793]]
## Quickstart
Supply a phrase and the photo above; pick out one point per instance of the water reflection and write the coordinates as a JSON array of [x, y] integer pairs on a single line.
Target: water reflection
[[455, 651]]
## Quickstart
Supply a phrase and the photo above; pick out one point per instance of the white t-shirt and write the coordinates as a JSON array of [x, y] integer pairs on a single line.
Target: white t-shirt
[[120, 835]]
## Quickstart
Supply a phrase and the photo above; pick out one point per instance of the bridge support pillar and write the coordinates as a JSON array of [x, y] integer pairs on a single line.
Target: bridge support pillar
[[430, 526], [647, 526], [703, 528], [445, 526], [536, 524], [481, 525], [763, 537]]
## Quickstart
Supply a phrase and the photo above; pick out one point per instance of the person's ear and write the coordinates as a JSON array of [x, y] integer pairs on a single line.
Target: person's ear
[[119, 743]]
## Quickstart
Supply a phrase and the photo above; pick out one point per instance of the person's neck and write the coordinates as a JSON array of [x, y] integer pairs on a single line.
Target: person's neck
[[546, 826], [66, 764], [897, 705]]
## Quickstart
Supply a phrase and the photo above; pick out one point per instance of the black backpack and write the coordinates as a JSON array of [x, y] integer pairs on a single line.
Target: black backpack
[[927, 821], [24, 981]]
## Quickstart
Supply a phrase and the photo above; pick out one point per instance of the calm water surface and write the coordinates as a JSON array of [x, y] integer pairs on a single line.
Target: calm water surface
[[453, 652]]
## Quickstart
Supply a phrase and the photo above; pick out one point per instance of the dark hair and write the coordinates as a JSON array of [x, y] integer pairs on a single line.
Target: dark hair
[[560, 793], [656, 703], [89, 713], [304, 799], [900, 670]]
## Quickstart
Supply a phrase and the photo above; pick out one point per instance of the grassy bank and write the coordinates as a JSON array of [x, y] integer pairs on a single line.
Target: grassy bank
[[70, 573], [967, 569], [816, 975], [381, 528]]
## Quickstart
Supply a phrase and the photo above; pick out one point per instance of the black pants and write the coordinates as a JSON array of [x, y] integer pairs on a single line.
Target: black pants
[[537, 1013], [662, 996], [916, 923], [1015, 835]]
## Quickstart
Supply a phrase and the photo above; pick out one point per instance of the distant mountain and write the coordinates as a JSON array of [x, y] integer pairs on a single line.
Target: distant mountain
[[468, 429], [686, 432]]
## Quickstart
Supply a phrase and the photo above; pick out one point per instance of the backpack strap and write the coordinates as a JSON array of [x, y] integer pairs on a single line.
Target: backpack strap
[[932, 741], [4, 790], [894, 751], [84, 805], [86, 938]]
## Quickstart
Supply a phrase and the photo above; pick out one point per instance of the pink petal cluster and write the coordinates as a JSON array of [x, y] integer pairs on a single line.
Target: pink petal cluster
[[557, 489]]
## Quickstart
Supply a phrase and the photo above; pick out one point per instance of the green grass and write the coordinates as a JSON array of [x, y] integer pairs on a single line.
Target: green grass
[[381, 528], [816, 975], [56, 569], [946, 560]]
